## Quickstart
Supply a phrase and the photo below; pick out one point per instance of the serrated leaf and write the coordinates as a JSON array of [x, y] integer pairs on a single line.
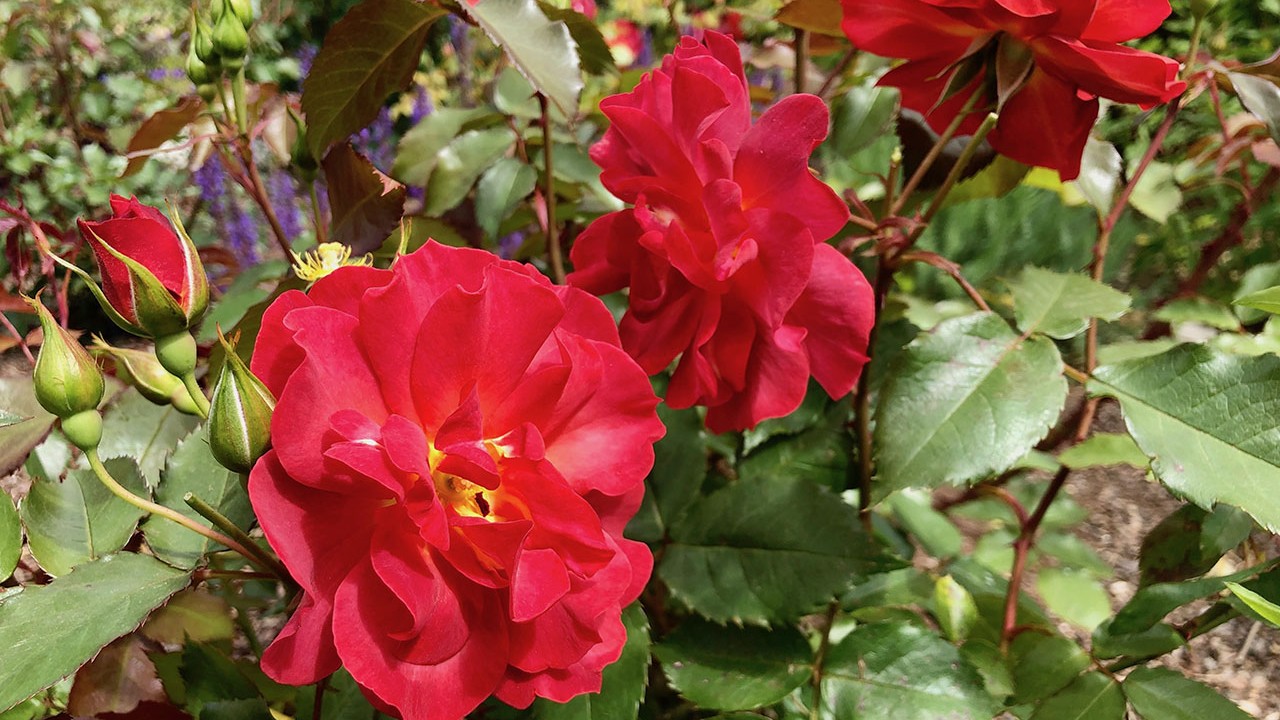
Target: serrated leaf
[[48, 631], [192, 469], [115, 681], [1199, 310], [1075, 597], [819, 453], [760, 551], [1152, 602], [901, 671], [543, 50], [10, 536], [1158, 639], [1266, 300], [1163, 694], [1092, 696], [1043, 664], [501, 188], [1260, 97], [971, 383], [679, 463], [134, 427], [159, 129], [370, 53], [416, 153], [7, 418], [1211, 423], [367, 205], [460, 163], [593, 50], [211, 677], [622, 685], [996, 180], [191, 615], [1103, 450], [1189, 542], [1061, 304], [734, 668], [73, 521]]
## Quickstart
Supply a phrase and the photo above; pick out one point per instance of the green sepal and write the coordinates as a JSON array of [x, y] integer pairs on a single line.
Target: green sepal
[[197, 281], [67, 380], [141, 370], [98, 295], [239, 414]]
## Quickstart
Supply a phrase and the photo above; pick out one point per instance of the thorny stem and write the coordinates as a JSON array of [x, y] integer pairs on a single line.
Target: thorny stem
[[259, 192], [819, 659], [221, 521], [549, 188], [165, 512], [950, 268]]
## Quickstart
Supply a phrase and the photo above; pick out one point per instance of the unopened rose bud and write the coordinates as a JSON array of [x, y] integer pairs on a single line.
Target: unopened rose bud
[[244, 12], [202, 42], [239, 414], [300, 156], [230, 39], [67, 381], [141, 370]]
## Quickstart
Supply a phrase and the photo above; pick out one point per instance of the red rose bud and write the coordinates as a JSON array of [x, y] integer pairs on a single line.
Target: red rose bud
[[153, 284], [239, 414], [141, 370]]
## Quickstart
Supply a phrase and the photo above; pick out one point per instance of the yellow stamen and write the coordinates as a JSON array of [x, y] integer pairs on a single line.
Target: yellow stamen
[[311, 266]]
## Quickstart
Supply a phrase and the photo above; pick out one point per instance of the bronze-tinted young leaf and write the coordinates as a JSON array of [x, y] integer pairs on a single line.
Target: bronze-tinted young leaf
[[191, 615], [367, 205], [370, 53], [115, 681], [159, 129]]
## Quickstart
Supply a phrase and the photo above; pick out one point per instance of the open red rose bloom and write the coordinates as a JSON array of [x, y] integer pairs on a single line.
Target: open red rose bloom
[[456, 449], [724, 250], [1042, 63]]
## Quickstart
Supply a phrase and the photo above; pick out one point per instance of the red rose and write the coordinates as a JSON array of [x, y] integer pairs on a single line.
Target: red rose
[[1042, 63], [724, 250], [456, 448], [586, 7], [152, 281]]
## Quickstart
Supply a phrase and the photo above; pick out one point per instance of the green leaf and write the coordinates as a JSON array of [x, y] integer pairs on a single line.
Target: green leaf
[[1157, 194], [210, 676], [1264, 607], [932, 529], [1260, 97], [1092, 696], [1163, 694], [1189, 542], [370, 53], [1043, 664], [1152, 602], [136, 428], [501, 188], [954, 608], [1266, 300], [593, 50], [367, 205], [416, 154], [970, 384], [820, 453], [245, 709], [904, 672], [1074, 597], [1256, 279], [460, 163], [10, 537], [734, 668], [623, 684], [544, 51], [860, 116], [1209, 421], [1158, 639], [1060, 304], [679, 463], [48, 631], [1099, 174], [193, 470], [996, 180], [191, 615], [17, 396], [1198, 310], [78, 519], [1104, 450], [343, 700], [760, 551]]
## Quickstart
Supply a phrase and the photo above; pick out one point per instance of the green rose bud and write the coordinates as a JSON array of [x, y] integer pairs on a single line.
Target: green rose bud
[[244, 12], [239, 414], [67, 380], [230, 40], [141, 370], [202, 42]]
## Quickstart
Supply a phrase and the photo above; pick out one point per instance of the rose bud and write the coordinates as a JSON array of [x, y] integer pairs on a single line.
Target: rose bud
[[68, 382], [153, 284], [202, 41], [197, 70], [141, 370], [239, 414], [230, 40]]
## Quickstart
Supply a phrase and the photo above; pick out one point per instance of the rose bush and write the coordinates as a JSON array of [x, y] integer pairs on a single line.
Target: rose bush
[[437, 486], [724, 249], [1042, 64]]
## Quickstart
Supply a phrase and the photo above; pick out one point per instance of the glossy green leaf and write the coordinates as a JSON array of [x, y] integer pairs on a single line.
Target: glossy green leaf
[[50, 630], [1260, 97], [1268, 610], [623, 683], [1075, 597], [1092, 696], [371, 52], [679, 463], [593, 50], [1198, 310], [417, 152], [954, 608], [245, 709], [901, 671], [78, 519], [820, 452], [1104, 450], [541, 49], [1211, 423], [1189, 542], [460, 163], [10, 536], [964, 402], [193, 470], [860, 116], [1163, 694], [501, 188], [1061, 304], [1266, 300], [734, 668], [933, 530], [760, 551], [1043, 664], [366, 206], [136, 428], [211, 677], [1152, 602], [1158, 639]]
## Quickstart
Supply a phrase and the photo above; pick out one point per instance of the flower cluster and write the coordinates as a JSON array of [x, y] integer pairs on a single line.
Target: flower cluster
[[1042, 64], [438, 482], [724, 248]]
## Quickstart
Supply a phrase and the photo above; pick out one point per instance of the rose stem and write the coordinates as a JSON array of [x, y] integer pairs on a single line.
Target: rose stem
[[223, 523]]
